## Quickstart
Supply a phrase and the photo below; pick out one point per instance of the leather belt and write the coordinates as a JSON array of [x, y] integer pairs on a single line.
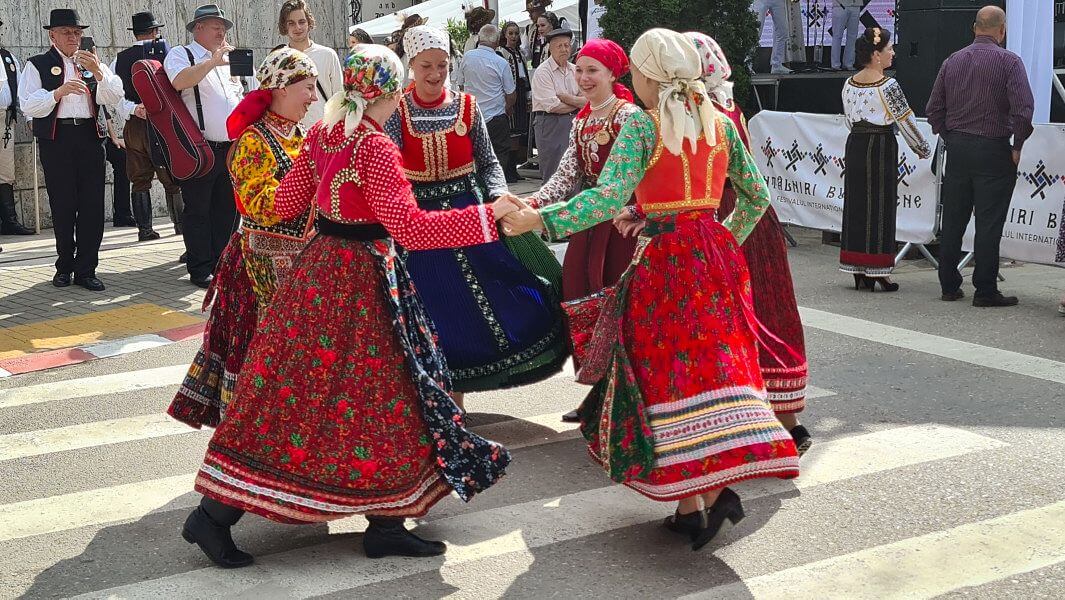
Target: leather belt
[[76, 121]]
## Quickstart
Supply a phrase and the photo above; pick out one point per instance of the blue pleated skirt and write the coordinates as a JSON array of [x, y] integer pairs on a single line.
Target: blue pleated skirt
[[499, 323]]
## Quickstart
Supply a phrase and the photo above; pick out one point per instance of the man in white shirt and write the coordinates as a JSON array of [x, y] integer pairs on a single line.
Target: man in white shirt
[[487, 77], [62, 90], [555, 101], [202, 68], [296, 22], [9, 68]]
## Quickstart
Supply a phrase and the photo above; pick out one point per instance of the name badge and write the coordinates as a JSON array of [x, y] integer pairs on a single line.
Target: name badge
[[57, 71]]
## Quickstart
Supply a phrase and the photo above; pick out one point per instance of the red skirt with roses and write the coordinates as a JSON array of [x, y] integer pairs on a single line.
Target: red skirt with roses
[[341, 407], [681, 406]]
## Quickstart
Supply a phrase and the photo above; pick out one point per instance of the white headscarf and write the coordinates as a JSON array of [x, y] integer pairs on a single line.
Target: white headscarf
[[716, 70], [421, 38], [686, 112]]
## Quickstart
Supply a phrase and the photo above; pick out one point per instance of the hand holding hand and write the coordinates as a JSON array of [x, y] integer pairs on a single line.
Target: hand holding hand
[[522, 221], [627, 224], [504, 206]]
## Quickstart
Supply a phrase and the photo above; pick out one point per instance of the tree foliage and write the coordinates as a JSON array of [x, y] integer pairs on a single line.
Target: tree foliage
[[730, 22]]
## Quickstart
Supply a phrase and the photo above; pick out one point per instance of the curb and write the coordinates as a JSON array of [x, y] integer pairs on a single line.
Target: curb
[[72, 356]]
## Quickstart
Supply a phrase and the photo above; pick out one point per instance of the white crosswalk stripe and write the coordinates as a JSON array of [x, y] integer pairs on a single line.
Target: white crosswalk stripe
[[329, 568]]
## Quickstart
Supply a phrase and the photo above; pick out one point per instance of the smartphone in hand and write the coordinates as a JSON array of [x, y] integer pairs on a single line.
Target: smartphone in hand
[[87, 44], [241, 62]]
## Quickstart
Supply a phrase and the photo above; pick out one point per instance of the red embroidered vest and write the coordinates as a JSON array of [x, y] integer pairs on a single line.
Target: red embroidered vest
[[687, 182], [441, 155]]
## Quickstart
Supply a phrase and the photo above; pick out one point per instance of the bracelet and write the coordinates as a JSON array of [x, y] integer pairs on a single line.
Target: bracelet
[[633, 212]]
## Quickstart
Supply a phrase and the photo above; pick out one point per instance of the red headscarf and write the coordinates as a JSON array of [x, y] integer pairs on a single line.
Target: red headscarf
[[613, 57]]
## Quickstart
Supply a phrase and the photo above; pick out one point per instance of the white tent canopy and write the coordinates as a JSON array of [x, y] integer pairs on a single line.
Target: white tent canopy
[[439, 11]]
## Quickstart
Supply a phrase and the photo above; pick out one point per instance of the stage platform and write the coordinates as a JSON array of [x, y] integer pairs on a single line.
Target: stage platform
[[817, 92]]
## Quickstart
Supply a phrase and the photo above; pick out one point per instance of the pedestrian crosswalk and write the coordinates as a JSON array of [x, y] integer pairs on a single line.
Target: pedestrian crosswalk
[[553, 502]]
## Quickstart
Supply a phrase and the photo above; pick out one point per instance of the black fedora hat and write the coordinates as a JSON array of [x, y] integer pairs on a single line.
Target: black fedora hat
[[563, 31], [208, 11], [144, 21], [64, 17]]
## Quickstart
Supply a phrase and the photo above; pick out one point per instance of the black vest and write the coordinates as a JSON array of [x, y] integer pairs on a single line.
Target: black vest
[[44, 128], [8, 63]]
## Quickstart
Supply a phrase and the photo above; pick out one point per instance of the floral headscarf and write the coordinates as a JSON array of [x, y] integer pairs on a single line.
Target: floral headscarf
[[281, 68], [716, 70], [371, 72]]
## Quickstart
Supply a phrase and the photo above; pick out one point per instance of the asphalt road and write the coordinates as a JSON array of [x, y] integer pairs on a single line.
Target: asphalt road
[[938, 469]]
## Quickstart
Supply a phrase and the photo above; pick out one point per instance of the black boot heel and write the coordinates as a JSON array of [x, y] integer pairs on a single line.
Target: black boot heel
[[726, 512], [213, 535], [802, 438], [388, 537]]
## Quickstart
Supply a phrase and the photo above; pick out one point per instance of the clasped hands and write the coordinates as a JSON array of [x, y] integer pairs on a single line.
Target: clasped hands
[[517, 216]]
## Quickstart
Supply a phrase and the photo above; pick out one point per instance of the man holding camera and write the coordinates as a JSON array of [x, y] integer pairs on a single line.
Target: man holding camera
[[62, 90], [200, 71], [139, 165]]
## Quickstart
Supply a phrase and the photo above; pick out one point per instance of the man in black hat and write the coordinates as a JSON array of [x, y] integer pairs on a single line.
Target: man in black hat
[[62, 90], [139, 166], [9, 67], [200, 71]]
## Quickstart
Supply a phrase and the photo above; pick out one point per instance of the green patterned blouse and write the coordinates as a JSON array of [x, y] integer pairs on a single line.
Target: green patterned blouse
[[626, 167]]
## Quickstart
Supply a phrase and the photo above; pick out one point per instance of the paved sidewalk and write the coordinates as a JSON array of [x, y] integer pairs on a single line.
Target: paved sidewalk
[[149, 300]]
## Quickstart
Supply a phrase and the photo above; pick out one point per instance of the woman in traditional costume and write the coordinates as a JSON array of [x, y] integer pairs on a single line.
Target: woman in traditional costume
[[874, 107], [679, 408], [343, 405], [782, 356], [495, 306], [596, 257], [268, 137]]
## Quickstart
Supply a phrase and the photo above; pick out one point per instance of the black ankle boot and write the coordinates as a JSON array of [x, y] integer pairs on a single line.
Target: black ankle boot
[[209, 527], [142, 211], [720, 517], [388, 537], [9, 223], [688, 525]]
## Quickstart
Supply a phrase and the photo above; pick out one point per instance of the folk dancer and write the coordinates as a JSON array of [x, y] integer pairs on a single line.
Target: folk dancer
[[675, 360], [595, 257], [495, 306], [343, 406], [782, 357], [268, 138]]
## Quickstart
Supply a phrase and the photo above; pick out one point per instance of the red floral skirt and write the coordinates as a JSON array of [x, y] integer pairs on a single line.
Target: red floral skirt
[[208, 387], [327, 417], [785, 372], [682, 409]]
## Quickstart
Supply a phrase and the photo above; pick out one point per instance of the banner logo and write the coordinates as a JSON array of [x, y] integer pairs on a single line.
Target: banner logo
[[1041, 180]]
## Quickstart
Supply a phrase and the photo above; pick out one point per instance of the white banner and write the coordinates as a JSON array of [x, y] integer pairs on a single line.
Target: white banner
[[1034, 226], [596, 10], [801, 157]]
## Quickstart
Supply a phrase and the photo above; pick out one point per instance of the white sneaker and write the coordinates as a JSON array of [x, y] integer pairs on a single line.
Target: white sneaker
[[781, 70]]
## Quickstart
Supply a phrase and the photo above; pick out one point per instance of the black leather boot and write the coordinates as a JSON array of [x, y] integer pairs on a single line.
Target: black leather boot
[[720, 517], [209, 528], [387, 536], [142, 211], [175, 205], [9, 223]]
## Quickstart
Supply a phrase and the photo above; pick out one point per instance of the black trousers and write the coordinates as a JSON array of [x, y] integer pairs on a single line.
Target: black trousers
[[210, 215], [979, 179], [499, 134], [74, 176], [120, 190]]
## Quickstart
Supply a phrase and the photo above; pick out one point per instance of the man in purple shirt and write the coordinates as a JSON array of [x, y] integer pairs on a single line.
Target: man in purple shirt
[[981, 98]]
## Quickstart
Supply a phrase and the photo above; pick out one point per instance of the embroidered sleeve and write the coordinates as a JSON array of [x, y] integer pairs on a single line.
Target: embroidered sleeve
[[566, 179], [252, 168], [391, 200], [900, 112], [487, 164], [621, 174], [752, 195], [296, 191]]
